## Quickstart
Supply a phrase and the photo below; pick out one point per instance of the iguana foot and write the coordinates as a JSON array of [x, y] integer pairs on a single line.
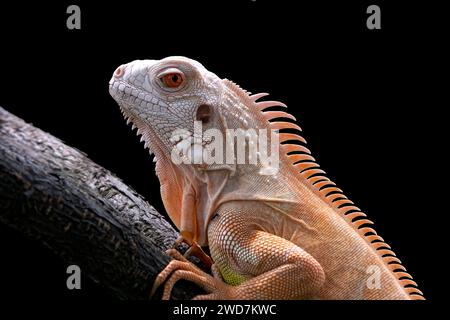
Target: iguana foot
[[185, 270]]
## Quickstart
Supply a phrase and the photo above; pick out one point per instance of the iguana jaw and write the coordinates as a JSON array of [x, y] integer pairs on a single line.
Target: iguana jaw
[[180, 143]]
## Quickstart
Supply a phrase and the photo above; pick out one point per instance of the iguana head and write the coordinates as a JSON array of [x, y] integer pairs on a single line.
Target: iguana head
[[161, 97]]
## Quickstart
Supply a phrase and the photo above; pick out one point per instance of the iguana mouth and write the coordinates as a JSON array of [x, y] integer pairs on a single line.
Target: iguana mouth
[[124, 93]]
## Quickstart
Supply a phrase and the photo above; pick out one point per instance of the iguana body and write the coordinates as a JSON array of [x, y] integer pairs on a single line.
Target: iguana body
[[289, 234]]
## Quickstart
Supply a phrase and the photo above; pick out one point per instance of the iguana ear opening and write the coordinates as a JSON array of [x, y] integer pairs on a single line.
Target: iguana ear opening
[[204, 112]]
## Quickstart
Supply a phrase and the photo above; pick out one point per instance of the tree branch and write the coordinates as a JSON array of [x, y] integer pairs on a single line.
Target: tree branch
[[81, 211]]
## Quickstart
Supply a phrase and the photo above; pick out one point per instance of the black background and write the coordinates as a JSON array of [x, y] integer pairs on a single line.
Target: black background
[[364, 98]]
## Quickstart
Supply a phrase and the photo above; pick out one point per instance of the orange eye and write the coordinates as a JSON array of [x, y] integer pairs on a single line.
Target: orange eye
[[172, 80]]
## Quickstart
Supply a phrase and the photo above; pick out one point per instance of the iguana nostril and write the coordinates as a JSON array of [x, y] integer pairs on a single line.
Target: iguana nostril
[[203, 113], [119, 72]]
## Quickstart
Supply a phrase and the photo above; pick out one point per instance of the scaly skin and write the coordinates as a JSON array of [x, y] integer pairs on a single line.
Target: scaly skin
[[283, 234]]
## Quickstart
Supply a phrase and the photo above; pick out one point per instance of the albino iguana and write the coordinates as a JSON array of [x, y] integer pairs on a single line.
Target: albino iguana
[[275, 230]]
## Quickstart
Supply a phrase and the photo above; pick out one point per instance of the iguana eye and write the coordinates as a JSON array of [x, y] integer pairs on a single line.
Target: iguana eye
[[172, 80]]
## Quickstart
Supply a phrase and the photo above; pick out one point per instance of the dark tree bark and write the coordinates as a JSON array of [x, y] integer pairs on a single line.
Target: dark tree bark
[[55, 194]]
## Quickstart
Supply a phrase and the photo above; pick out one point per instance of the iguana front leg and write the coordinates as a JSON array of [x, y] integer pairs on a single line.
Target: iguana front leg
[[254, 264]]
